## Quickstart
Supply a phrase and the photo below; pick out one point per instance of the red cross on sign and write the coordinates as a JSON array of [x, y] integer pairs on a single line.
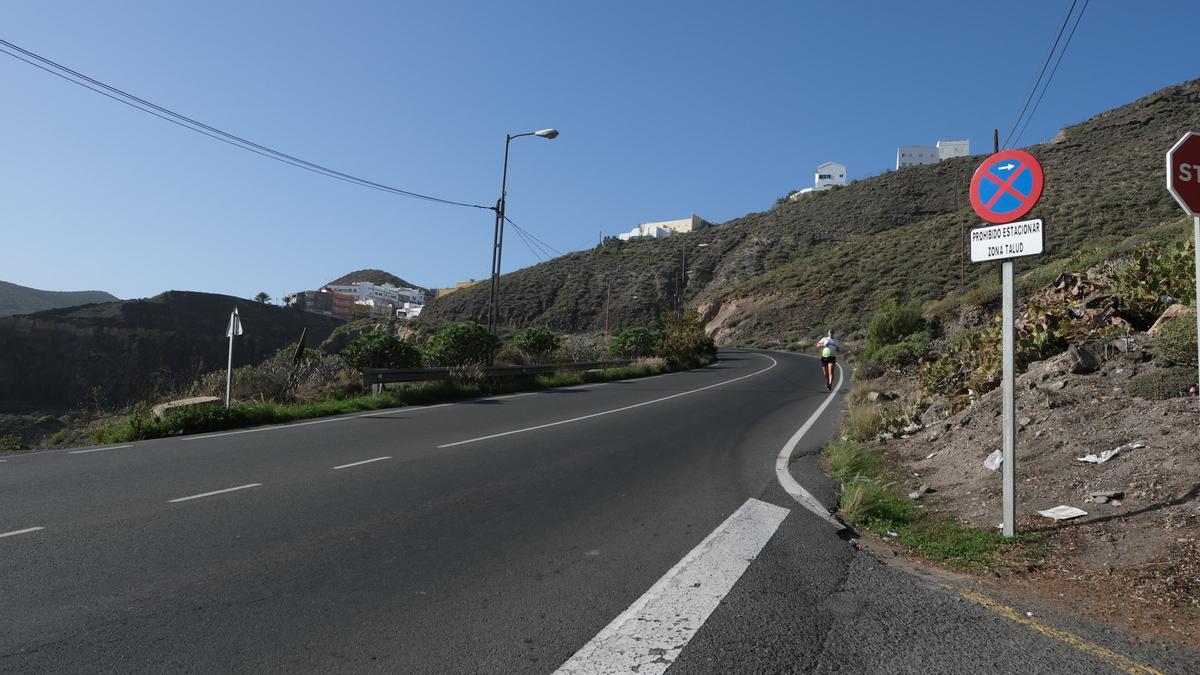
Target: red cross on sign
[[1006, 186]]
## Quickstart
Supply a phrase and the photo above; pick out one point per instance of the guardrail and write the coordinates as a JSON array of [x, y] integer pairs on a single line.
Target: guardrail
[[372, 376]]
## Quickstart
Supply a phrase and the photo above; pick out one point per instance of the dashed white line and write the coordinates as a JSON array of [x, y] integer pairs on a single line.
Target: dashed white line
[[100, 449], [789, 484], [24, 531], [365, 461], [214, 492], [648, 637], [614, 410]]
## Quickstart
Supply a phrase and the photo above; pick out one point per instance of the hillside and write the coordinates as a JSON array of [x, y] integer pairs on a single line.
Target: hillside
[[375, 277], [16, 299], [835, 256], [118, 352]]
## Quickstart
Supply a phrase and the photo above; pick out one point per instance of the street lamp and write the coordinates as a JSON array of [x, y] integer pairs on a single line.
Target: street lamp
[[683, 273], [498, 235]]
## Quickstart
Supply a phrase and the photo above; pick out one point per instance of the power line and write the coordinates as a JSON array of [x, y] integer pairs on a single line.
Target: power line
[[1053, 70], [1041, 73], [525, 240], [545, 246], [199, 127]]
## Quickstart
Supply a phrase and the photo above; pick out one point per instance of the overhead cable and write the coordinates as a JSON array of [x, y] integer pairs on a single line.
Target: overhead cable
[[199, 127]]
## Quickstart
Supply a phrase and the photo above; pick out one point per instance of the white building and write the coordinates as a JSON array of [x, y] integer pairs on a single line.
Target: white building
[[915, 155], [681, 226], [646, 231], [409, 310], [365, 290], [828, 175], [948, 149]]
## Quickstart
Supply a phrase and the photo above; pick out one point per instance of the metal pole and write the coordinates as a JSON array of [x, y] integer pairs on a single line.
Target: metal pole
[[229, 367], [498, 241], [1010, 424], [1196, 233]]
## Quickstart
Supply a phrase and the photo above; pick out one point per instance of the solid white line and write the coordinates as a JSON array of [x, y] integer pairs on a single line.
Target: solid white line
[[24, 531], [614, 410], [214, 492], [258, 429], [365, 461], [789, 484], [648, 637], [107, 447]]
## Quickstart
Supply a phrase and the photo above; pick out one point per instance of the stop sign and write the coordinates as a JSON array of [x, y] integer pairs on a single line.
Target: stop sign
[[1183, 172]]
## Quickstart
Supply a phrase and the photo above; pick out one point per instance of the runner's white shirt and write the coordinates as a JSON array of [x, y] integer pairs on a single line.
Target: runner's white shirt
[[829, 347]]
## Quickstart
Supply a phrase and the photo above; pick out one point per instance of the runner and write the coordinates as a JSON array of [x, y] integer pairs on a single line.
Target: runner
[[829, 348]]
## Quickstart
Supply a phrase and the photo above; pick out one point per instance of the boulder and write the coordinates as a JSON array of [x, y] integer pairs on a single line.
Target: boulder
[[1082, 360], [1172, 312]]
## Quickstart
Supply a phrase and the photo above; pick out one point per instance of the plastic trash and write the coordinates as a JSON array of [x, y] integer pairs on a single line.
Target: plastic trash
[[1109, 454], [994, 460], [1063, 512]]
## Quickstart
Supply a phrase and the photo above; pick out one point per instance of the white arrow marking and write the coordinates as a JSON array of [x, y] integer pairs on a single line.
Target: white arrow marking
[[1007, 167]]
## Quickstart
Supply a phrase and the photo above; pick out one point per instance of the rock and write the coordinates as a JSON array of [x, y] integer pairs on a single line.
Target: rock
[[1025, 421], [1123, 345], [1122, 373], [873, 397], [161, 410], [926, 489], [911, 429], [1058, 385], [1082, 360], [1171, 312], [936, 412], [1107, 494]]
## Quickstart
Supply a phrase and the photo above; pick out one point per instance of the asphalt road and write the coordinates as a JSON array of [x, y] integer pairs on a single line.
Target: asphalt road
[[498, 535]]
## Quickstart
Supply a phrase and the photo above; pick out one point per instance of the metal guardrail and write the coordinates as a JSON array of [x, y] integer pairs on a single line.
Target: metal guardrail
[[385, 375]]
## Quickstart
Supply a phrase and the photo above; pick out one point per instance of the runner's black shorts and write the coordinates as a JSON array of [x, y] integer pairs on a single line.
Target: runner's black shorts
[[826, 360]]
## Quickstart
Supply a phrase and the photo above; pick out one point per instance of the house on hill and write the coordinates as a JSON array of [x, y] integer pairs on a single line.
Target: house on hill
[[827, 175]]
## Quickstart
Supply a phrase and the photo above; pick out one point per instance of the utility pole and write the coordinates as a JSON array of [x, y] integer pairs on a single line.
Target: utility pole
[[607, 304]]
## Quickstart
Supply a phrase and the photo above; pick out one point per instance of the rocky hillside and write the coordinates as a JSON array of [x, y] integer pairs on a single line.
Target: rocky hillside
[[833, 257], [118, 352], [16, 299]]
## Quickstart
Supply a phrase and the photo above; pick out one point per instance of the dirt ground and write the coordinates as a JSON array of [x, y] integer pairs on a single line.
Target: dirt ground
[[1134, 559]]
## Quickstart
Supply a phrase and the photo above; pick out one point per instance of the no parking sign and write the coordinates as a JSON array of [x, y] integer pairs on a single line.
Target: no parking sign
[[1006, 186]]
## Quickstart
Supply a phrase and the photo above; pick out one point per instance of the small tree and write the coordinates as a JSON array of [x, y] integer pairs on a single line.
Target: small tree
[[459, 344], [636, 343], [685, 342], [536, 343], [892, 323], [262, 297], [379, 349]]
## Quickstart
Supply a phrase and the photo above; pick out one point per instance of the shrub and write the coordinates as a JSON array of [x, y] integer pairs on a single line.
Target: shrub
[[379, 349], [849, 460], [537, 343], [1153, 279], [982, 296], [457, 344], [636, 343], [1162, 384], [1177, 344], [863, 423], [865, 502], [12, 443], [582, 348], [685, 342], [892, 323]]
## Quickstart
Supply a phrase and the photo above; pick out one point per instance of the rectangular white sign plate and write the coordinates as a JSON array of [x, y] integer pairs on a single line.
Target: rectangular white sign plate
[[1011, 240]]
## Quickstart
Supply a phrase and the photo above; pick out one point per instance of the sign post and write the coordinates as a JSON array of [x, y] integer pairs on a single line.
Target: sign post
[[234, 329], [1005, 188], [1183, 182]]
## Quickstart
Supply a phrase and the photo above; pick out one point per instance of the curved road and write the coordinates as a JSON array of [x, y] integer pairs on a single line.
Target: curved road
[[603, 528]]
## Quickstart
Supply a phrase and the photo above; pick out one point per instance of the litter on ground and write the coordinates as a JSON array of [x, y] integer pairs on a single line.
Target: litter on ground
[[1063, 512], [1109, 454], [994, 460]]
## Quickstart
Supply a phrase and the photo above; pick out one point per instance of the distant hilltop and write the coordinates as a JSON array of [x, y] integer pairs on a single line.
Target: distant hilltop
[[375, 277], [16, 299]]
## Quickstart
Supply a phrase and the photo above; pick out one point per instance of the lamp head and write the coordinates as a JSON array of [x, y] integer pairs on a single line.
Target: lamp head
[[547, 133]]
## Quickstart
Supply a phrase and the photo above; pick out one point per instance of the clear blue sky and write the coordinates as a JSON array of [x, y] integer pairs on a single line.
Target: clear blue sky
[[665, 108]]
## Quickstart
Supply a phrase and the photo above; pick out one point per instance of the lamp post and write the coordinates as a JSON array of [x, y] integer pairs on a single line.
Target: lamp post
[[683, 274], [498, 235]]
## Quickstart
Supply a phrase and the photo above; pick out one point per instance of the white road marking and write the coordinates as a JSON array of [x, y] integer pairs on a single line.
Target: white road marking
[[789, 484], [614, 410], [258, 429], [24, 531], [214, 492], [100, 449], [648, 637], [365, 461]]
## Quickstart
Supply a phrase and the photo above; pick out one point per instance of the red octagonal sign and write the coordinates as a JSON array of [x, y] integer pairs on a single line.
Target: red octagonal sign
[[1183, 172]]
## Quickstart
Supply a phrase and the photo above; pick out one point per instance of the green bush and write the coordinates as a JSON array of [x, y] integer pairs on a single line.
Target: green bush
[[908, 351], [379, 349], [685, 342], [1177, 344], [12, 443], [636, 343], [894, 322], [459, 344], [1162, 384], [537, 343], [1153, 279]]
